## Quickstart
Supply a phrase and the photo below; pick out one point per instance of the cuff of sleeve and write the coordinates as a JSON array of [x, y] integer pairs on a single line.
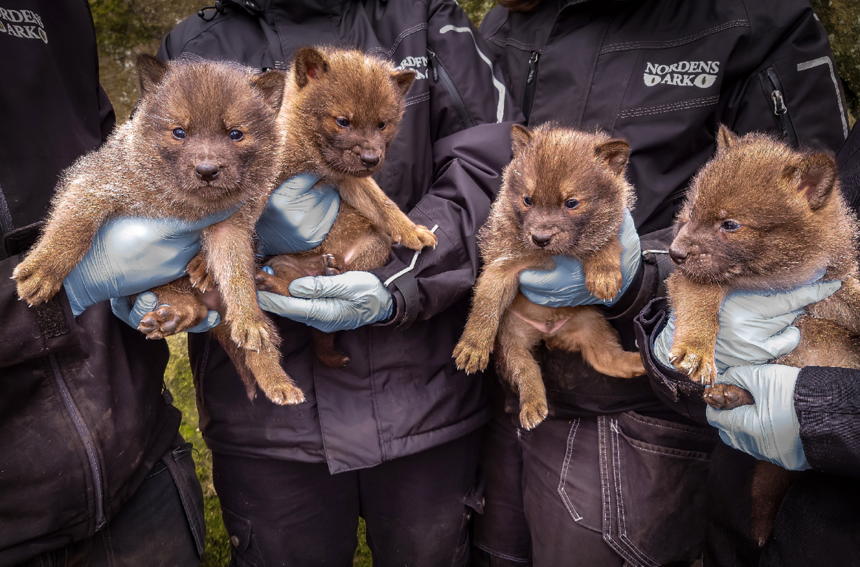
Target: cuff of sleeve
[[672, 387], [825, 401], [637, 296], [398, 279]]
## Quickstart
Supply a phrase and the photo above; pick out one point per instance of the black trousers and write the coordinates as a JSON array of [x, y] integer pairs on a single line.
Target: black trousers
[[416, 509], [619, 489], [160, 526]]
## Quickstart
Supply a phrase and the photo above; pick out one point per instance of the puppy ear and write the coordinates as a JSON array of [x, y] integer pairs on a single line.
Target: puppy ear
[[150, 72], [614, 154], [403, 80], [520, 138], [270, 86], [725, 139], [309, 64], [815, 178]]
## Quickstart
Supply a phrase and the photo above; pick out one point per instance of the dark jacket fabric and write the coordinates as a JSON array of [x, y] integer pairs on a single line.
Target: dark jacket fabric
[[401, 392], [663, 74], [817, 522], [82, 419]]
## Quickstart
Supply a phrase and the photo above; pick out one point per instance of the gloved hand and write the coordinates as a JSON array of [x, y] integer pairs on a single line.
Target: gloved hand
[[132, 255], [147, 302], [754, 327], [564, 286], [297, 217], [768, 430], [332, 303]]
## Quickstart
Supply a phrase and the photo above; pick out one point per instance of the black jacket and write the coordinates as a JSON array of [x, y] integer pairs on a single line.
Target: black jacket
[[401, 393], [818, 522], [82, 419], [663, 74]]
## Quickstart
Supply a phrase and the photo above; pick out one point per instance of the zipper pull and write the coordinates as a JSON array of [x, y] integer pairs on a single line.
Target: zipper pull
[[431, 59], [778, 103], [532, 66]]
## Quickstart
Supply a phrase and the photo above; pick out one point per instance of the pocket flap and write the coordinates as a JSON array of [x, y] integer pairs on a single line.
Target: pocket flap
[[238, 528]]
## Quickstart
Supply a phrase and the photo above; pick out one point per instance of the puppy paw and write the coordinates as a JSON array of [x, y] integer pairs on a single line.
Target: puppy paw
[[693, 362], [283, 394], [249, 334], [167, 320], [532, 413], [269, 282], [416, 238], [727, 396], [36, 283], [629, 365], [470, 357], [199, 274], [604, 285]]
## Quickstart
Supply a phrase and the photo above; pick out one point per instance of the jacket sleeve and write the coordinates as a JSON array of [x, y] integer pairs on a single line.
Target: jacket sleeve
[[674, 388], [794, 89], [471, 145], [827, 402], [32, 332]]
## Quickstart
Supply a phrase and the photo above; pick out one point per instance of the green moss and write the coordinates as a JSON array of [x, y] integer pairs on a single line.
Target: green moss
[[476, 9]]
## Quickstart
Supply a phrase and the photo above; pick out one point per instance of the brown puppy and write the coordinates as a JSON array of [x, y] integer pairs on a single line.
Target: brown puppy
[[762, 217], [563, 193], [344, 111], [204, 140]]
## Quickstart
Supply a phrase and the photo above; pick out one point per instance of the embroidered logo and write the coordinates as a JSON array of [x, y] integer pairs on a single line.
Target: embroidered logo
[[700, 74], [23, 24], [415, 64]]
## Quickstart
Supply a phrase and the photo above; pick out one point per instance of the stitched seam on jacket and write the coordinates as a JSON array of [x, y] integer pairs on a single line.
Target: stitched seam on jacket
[[606, 489], [675, 42], [416, 99], [400, 38], [501, 555], [513, 42], [659, 109], [563, 476]]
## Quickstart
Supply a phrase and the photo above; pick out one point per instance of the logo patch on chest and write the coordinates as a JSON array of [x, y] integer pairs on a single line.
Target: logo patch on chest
[[702, 74]]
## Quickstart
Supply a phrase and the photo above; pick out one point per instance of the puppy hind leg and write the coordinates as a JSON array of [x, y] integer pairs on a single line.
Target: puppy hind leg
[[589, 333], [178, 308], [516, 362]]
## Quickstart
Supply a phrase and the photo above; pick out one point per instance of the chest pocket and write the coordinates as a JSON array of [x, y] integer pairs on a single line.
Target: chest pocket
[[663, 77]]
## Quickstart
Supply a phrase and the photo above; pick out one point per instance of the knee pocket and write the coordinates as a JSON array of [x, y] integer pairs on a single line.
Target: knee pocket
[[652, 477], [244, 551]]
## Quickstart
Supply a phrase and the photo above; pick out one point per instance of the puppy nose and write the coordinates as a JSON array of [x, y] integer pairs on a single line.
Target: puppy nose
[[369, 160], [679, 255], [541, 239], [207, 171]]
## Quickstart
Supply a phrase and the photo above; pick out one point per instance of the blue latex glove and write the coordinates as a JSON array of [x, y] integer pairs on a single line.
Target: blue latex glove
[[147, 302], [767, 430], [754, 327], [564, 286], [332, 303], [132, 255], [297, 217]]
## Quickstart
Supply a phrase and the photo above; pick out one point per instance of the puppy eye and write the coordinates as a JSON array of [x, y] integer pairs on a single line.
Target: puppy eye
[[179, 133], [527, 201], [382, 125], [571, 204], [236, 135], [730, 225], [342, 122]]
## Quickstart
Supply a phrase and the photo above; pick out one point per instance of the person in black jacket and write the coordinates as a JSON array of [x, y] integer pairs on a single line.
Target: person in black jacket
[[394, 435], [616, 475], [92, 468]]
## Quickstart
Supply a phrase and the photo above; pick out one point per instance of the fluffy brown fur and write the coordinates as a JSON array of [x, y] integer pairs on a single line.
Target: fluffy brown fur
[[763, 217], [204, 140], [563, 193], [342, 109]]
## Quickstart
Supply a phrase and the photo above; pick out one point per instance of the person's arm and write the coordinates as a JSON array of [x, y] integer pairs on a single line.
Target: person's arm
[[827, 402]]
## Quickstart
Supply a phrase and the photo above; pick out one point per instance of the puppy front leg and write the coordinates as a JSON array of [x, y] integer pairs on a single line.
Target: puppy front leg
[[369, 199], [697, 323], [603, 277]]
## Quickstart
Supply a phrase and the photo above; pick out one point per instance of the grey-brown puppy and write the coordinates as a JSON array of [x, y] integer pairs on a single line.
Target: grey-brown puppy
[[204, 140], [563, 193]]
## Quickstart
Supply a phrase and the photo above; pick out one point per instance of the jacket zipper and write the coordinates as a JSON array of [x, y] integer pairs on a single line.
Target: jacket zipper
[[771, 82], [86, 439], [440, 74], [531, 85]]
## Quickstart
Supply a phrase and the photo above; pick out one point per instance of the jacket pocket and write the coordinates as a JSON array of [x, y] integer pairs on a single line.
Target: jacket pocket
[[654, 477], [245, 552]]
